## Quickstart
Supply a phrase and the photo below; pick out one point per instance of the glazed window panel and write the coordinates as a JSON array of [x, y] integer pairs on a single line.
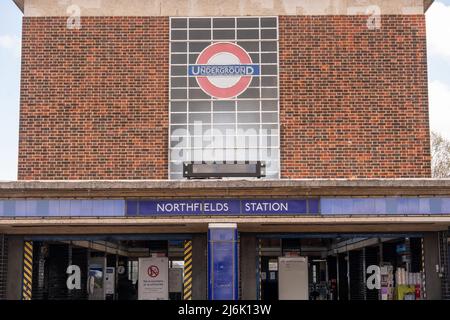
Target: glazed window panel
[[201, 23], [246, 23], [224, 23], [178, 47], [224, 34], [208, 127]]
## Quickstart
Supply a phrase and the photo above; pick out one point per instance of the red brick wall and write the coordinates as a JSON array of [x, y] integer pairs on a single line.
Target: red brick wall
[[354, 101], [94, 101]]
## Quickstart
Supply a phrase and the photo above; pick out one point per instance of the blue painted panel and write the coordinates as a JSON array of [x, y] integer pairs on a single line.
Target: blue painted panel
[[402, 206], [435, 205], [385, 206], [64, 207], [97, 208], [391, 206], [222, 264], [313, 206], [132, 207], [222, 269], [362, 205], [75, 208], [222, 235], [413, 205], [113, 208], [54, 208], [445, 205], [61, 208], [21, 208], [424, 205], [86, 208], [326, 206], [42, 208], [9, 208], [380, 206]]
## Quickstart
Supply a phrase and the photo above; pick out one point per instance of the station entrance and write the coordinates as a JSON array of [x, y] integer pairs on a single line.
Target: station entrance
[[107, 267], [261, 266], [341, 267]]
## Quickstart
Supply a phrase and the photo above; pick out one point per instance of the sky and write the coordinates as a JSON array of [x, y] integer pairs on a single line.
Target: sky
[[438, 45]]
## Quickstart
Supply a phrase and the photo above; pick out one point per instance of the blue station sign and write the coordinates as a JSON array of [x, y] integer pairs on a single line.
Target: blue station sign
[[223, 207]]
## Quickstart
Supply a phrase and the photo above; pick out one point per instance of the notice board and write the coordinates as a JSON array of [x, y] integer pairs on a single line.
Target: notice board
[[153, 283], [293, 278], [175, 280]]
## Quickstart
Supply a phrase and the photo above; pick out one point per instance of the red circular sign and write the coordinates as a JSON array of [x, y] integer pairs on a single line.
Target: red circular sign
[[224, 92], [153, 271]]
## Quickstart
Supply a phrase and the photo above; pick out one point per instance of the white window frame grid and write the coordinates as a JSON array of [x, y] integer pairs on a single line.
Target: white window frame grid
[[211, 112]]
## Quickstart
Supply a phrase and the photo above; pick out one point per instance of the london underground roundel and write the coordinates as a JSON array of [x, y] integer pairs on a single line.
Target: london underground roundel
[[224, 70]]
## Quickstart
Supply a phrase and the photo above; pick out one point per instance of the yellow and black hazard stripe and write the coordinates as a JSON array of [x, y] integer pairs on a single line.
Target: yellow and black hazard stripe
[[27, 282], [187, 280], [259, 268]]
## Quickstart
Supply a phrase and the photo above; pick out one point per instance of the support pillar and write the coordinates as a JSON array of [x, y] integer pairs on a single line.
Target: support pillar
[[3, 265], [249, 268], [199, 267], [431, 257], [15, 262], [223, 262]]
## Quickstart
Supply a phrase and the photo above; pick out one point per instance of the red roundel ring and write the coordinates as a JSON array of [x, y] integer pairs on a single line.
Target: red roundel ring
[[236, 89]]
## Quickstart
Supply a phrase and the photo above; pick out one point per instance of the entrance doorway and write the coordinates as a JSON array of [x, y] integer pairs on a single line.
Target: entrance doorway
[[107, 267], [343, 266]]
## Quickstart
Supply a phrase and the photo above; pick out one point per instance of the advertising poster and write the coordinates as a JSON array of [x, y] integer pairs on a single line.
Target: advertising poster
[[153, 282], [96, 278], [110, 280], [293, 281]]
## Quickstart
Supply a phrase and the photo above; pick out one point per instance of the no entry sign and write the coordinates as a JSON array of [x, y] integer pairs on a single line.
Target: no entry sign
[[153, 271], [153, 283]]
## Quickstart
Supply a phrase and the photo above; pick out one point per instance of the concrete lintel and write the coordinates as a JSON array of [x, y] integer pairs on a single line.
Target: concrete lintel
[[224, 220], [200, 225], [47, 8], [224, 188]]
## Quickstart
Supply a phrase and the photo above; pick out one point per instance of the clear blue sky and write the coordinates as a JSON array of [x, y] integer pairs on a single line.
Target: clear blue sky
[[438, 33]]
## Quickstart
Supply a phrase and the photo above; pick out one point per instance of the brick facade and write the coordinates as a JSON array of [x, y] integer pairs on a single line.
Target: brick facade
[[94, 102], [354, 101]]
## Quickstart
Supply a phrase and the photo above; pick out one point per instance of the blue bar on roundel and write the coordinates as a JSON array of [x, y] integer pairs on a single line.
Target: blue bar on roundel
[[212, 70], [222, 261]]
